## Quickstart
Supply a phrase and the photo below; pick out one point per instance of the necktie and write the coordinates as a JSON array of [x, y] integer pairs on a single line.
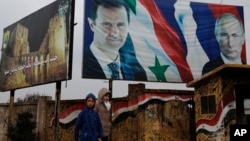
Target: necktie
[[114, 66]]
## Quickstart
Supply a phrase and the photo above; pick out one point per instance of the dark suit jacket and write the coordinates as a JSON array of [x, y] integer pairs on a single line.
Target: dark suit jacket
[[211, 65], [92, 69]]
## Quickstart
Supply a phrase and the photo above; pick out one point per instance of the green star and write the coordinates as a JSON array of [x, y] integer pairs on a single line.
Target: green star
[[132, 5], [159, 70]]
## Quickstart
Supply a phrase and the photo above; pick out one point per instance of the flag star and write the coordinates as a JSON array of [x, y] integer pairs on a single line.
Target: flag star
[[132, 5], [159, 70]]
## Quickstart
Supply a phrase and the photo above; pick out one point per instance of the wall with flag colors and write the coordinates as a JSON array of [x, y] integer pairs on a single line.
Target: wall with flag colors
[[170, 40]]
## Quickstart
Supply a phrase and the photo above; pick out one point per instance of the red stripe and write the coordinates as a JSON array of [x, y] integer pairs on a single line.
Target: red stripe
[[213, 121], [145, 97], [69, 110], [229, 97], [169, 40], [217, 10], [226, 99]]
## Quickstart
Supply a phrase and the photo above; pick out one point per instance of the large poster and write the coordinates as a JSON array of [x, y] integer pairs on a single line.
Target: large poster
[[37, 49], [157, 40]]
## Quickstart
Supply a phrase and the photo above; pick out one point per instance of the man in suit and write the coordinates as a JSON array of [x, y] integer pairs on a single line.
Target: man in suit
[[109, 21], [229, 32]]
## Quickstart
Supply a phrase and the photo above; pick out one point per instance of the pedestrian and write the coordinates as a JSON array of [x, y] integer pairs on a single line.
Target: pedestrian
[[88, 124], [103, 108]]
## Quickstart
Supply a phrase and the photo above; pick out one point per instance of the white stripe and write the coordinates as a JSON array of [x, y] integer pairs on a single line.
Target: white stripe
[[196, 56], [73, 115], [135, 106], [219, 124]]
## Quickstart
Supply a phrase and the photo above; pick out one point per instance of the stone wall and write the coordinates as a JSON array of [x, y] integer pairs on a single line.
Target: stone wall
[[144, 115], [18, 108]]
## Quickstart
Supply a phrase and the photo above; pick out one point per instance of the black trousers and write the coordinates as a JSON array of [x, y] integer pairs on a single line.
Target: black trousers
[[105, 138]]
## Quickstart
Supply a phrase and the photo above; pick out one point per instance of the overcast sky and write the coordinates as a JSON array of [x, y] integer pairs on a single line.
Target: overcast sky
[[76, 88]]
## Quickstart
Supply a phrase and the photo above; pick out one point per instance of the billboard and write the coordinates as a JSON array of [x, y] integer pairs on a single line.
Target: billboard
[[38, 48], [157, 40]]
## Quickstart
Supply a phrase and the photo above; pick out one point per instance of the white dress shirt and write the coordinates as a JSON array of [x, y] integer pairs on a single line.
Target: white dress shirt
[[103, 60]]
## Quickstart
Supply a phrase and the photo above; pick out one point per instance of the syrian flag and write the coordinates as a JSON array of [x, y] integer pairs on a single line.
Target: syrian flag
[[226, 104], [69, 114], [170, 39], [133, 104]]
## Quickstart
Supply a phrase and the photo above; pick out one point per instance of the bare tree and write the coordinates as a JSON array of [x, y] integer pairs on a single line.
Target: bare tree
[[29, 98]]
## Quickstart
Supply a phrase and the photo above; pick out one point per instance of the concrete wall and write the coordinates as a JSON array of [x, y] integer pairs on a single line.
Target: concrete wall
[[161, 110], [18, 108]]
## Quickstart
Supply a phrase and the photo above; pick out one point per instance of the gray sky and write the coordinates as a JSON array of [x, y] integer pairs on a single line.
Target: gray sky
[[76, 88]]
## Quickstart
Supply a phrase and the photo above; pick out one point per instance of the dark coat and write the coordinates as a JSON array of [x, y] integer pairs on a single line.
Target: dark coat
[[211, 65], [88, 124]]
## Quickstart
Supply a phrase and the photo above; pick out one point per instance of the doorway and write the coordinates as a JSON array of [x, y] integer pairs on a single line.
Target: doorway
[[242, 93]]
